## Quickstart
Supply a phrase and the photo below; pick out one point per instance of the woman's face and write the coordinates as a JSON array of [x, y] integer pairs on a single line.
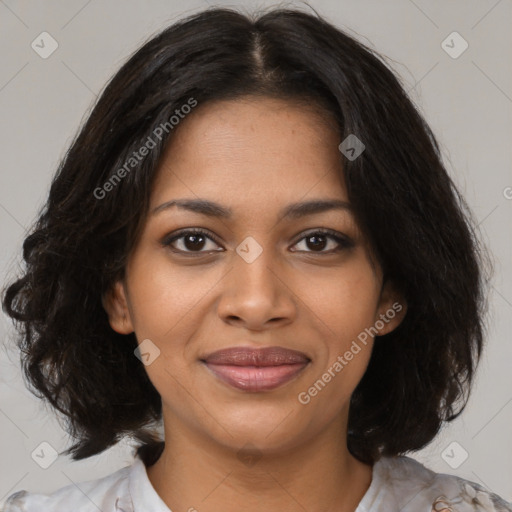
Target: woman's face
[[257, 278]]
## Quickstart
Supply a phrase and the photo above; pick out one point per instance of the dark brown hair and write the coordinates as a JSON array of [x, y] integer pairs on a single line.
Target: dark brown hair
[[414, 217]]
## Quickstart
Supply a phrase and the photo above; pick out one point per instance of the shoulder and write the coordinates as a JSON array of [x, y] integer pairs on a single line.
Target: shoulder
[[108, 494], [416, 487]]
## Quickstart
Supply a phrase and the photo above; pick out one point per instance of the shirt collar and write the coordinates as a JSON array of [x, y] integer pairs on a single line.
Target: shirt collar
[[144, 496]]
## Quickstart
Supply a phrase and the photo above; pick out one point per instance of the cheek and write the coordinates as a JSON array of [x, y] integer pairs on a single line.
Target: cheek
[[169, 306], [345, 301], [347, 311], [165, 297]]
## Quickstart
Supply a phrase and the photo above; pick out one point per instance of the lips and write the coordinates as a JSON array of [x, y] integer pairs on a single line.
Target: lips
[[245, 356], [251, 369]]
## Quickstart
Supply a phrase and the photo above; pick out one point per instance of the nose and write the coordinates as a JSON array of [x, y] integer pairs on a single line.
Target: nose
[[258, 294]]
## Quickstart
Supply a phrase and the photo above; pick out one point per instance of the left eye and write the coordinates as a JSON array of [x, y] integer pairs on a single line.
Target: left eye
[[319, 240], [194, 241]]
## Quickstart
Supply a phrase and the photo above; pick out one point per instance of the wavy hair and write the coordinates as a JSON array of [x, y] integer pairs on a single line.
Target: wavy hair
[[418, 224]]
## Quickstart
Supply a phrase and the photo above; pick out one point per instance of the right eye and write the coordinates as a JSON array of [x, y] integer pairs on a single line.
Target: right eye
[[191, 240]]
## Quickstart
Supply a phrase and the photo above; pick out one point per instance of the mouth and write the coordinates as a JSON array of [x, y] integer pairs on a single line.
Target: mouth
[[256, 370]]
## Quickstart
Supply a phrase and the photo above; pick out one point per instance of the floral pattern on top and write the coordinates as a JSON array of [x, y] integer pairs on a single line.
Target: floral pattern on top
[[471, 498]]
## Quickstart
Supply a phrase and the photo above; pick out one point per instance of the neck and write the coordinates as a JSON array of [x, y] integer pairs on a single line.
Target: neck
[[320, 475]]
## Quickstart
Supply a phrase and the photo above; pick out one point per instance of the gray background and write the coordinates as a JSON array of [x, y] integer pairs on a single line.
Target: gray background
[[467, 101]]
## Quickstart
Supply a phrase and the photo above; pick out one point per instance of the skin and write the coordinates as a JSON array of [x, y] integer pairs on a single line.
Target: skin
[[255, 156]]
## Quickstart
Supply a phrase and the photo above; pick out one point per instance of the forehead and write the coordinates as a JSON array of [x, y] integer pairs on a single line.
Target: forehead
[[252, 151]]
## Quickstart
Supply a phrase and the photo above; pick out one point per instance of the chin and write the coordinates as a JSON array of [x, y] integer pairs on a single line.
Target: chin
[[267, 430]]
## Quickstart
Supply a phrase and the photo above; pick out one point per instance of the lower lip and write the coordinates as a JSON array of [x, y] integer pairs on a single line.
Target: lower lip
[[252, 378]]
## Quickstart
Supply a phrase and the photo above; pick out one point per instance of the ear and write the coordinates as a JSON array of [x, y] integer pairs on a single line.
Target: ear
[[391, 310], [115, 304]]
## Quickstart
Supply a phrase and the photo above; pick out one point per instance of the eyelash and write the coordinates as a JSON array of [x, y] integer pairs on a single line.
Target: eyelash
[[343, 241]]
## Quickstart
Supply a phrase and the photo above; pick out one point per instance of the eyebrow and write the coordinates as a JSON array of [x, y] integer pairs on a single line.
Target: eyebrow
[[292, 211]]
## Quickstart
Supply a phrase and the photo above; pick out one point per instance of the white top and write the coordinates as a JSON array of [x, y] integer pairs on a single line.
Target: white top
[[398, 483]]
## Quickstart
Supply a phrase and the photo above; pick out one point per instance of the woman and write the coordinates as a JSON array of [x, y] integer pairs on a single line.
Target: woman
[[253, 240]]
